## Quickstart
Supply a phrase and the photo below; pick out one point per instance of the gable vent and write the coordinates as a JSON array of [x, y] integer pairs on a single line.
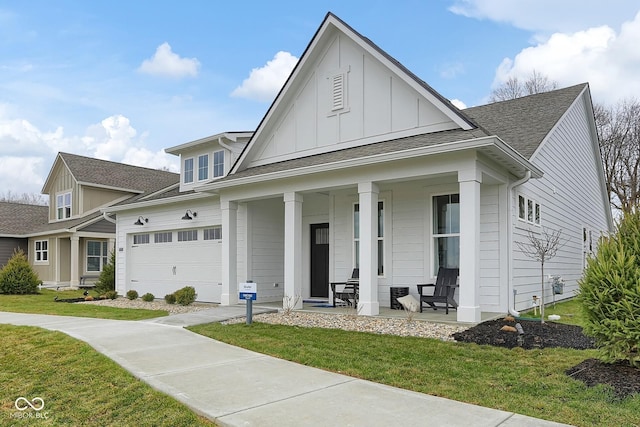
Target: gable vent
[[337, 92]]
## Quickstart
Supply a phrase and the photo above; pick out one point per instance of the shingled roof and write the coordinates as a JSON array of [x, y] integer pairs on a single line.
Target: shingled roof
[[90, 171], [19, 218], [523, 123]]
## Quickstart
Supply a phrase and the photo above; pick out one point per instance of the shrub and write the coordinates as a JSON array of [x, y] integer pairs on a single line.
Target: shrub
[[610, 293], [186, 295], [170, 298], [111, 294], [132, 294], [148, 297], [17, 276], [107, 280]]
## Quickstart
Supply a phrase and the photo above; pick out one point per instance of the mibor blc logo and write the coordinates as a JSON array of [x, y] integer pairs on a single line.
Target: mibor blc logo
[[22, 404]]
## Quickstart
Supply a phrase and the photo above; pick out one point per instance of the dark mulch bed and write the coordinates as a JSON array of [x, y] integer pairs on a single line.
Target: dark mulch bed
[[624, 379]]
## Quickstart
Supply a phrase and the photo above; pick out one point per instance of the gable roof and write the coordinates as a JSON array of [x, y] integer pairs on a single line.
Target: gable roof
[[19, 218], [118, 176], [332, 22], [523, 123]]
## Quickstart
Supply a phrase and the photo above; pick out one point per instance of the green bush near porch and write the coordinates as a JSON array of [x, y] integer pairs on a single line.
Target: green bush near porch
[[107, 280], [17, 276]]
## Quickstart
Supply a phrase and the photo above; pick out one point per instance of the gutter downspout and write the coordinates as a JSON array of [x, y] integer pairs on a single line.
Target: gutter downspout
[[228, 147], [106, 216], [511, 187]]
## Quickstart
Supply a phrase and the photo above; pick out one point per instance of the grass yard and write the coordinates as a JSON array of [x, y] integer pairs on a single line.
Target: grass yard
[[529, 382], [43, 303], [78, 385], [569, 311]]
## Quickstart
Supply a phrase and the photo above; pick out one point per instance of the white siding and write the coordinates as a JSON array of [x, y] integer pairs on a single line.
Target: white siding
[[570, 196], [490, 245]]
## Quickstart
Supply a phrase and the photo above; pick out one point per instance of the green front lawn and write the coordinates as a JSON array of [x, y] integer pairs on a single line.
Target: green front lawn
[[79, 386], [570, 311], [527, 382], [43, 303]]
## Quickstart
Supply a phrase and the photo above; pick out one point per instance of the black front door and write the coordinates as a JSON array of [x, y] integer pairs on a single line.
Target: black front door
[[320, 260]]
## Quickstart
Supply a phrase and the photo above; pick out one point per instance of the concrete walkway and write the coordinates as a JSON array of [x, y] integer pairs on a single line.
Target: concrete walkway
[[237, 387]]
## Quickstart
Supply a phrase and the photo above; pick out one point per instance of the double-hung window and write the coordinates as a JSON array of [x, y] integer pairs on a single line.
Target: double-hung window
[[203, 167], [41, 251], [96, 255], [380, 237], [63, 205], [188, 171], [218, 164], [446, 231]]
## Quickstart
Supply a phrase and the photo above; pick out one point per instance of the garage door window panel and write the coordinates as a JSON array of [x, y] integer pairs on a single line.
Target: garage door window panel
[[187, 235]]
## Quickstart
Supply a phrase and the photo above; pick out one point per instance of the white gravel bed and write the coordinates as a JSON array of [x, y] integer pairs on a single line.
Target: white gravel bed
[[158, 304], [377, 325]]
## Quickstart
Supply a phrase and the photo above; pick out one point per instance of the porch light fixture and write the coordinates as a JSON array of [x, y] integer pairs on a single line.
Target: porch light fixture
[[141, 221], [189, 215]]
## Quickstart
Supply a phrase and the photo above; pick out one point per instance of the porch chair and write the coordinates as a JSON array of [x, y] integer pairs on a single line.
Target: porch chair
[[443, 290], [347, 291]]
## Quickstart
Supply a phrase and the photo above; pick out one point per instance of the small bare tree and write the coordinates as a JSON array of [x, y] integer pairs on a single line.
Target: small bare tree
[[24, 198], [515, 88], [541, 249]]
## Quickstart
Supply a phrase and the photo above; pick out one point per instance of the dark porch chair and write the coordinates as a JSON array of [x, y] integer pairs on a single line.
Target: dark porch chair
[[443, 290], [347, 291]]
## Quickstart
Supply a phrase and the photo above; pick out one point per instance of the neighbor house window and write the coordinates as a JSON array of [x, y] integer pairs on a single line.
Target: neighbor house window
[[203, 167], [528, 210], [164, 237], [214, 233], [380, 237], [96, 255], [41, 251], [188, 171], [446, 231], [140, 239], [187, 235], [218, 164], [63, 205]]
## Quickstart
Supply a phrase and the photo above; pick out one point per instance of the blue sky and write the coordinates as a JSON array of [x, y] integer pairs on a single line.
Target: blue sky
[[122, 80]]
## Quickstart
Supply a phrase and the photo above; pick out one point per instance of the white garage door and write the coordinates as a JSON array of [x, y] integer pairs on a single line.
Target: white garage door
[[162, 268]]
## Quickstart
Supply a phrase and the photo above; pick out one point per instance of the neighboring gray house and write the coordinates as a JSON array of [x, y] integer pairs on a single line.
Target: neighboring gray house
[[359, 163], [16, 222]]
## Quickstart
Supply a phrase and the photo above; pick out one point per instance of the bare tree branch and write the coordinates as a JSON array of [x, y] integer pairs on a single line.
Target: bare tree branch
[[514, 88]]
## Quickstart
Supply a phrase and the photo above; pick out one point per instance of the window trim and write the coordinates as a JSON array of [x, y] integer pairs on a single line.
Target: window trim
[[217, 165], [203, 176], [380, 238], [103, 257], [184, 170], [434, 236], [41, 252], [66, 208], [524, 214]]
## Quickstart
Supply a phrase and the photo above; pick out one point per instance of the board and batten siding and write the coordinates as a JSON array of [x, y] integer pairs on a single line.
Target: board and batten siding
[[571, 197]]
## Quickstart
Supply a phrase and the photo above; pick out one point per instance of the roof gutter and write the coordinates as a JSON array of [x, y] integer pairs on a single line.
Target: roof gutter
[[510, 194], [106, 216]]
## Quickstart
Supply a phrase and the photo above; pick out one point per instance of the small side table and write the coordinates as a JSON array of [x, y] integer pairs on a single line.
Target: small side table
[[395, 293]]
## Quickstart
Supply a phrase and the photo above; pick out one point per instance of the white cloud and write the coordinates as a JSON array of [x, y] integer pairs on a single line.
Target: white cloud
[[609, 61], [461, 105], [549, 16], [20, 175], [264, 83], [166, 63]]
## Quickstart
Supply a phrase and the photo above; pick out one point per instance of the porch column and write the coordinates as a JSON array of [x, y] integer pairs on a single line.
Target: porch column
[[229, 294], [292, 251], [469, 305], [368, 303], [75, 261]]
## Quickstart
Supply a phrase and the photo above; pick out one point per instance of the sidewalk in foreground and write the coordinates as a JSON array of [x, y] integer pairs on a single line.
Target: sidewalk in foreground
[[237, 387]]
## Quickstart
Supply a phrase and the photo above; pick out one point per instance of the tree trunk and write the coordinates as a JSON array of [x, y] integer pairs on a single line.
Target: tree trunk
[[542, 293]]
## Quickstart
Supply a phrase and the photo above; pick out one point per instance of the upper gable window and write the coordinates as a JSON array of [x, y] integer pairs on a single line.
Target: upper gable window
[[63, 205], [203, 167], [338, 91], [218, 163], [188, 170]]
